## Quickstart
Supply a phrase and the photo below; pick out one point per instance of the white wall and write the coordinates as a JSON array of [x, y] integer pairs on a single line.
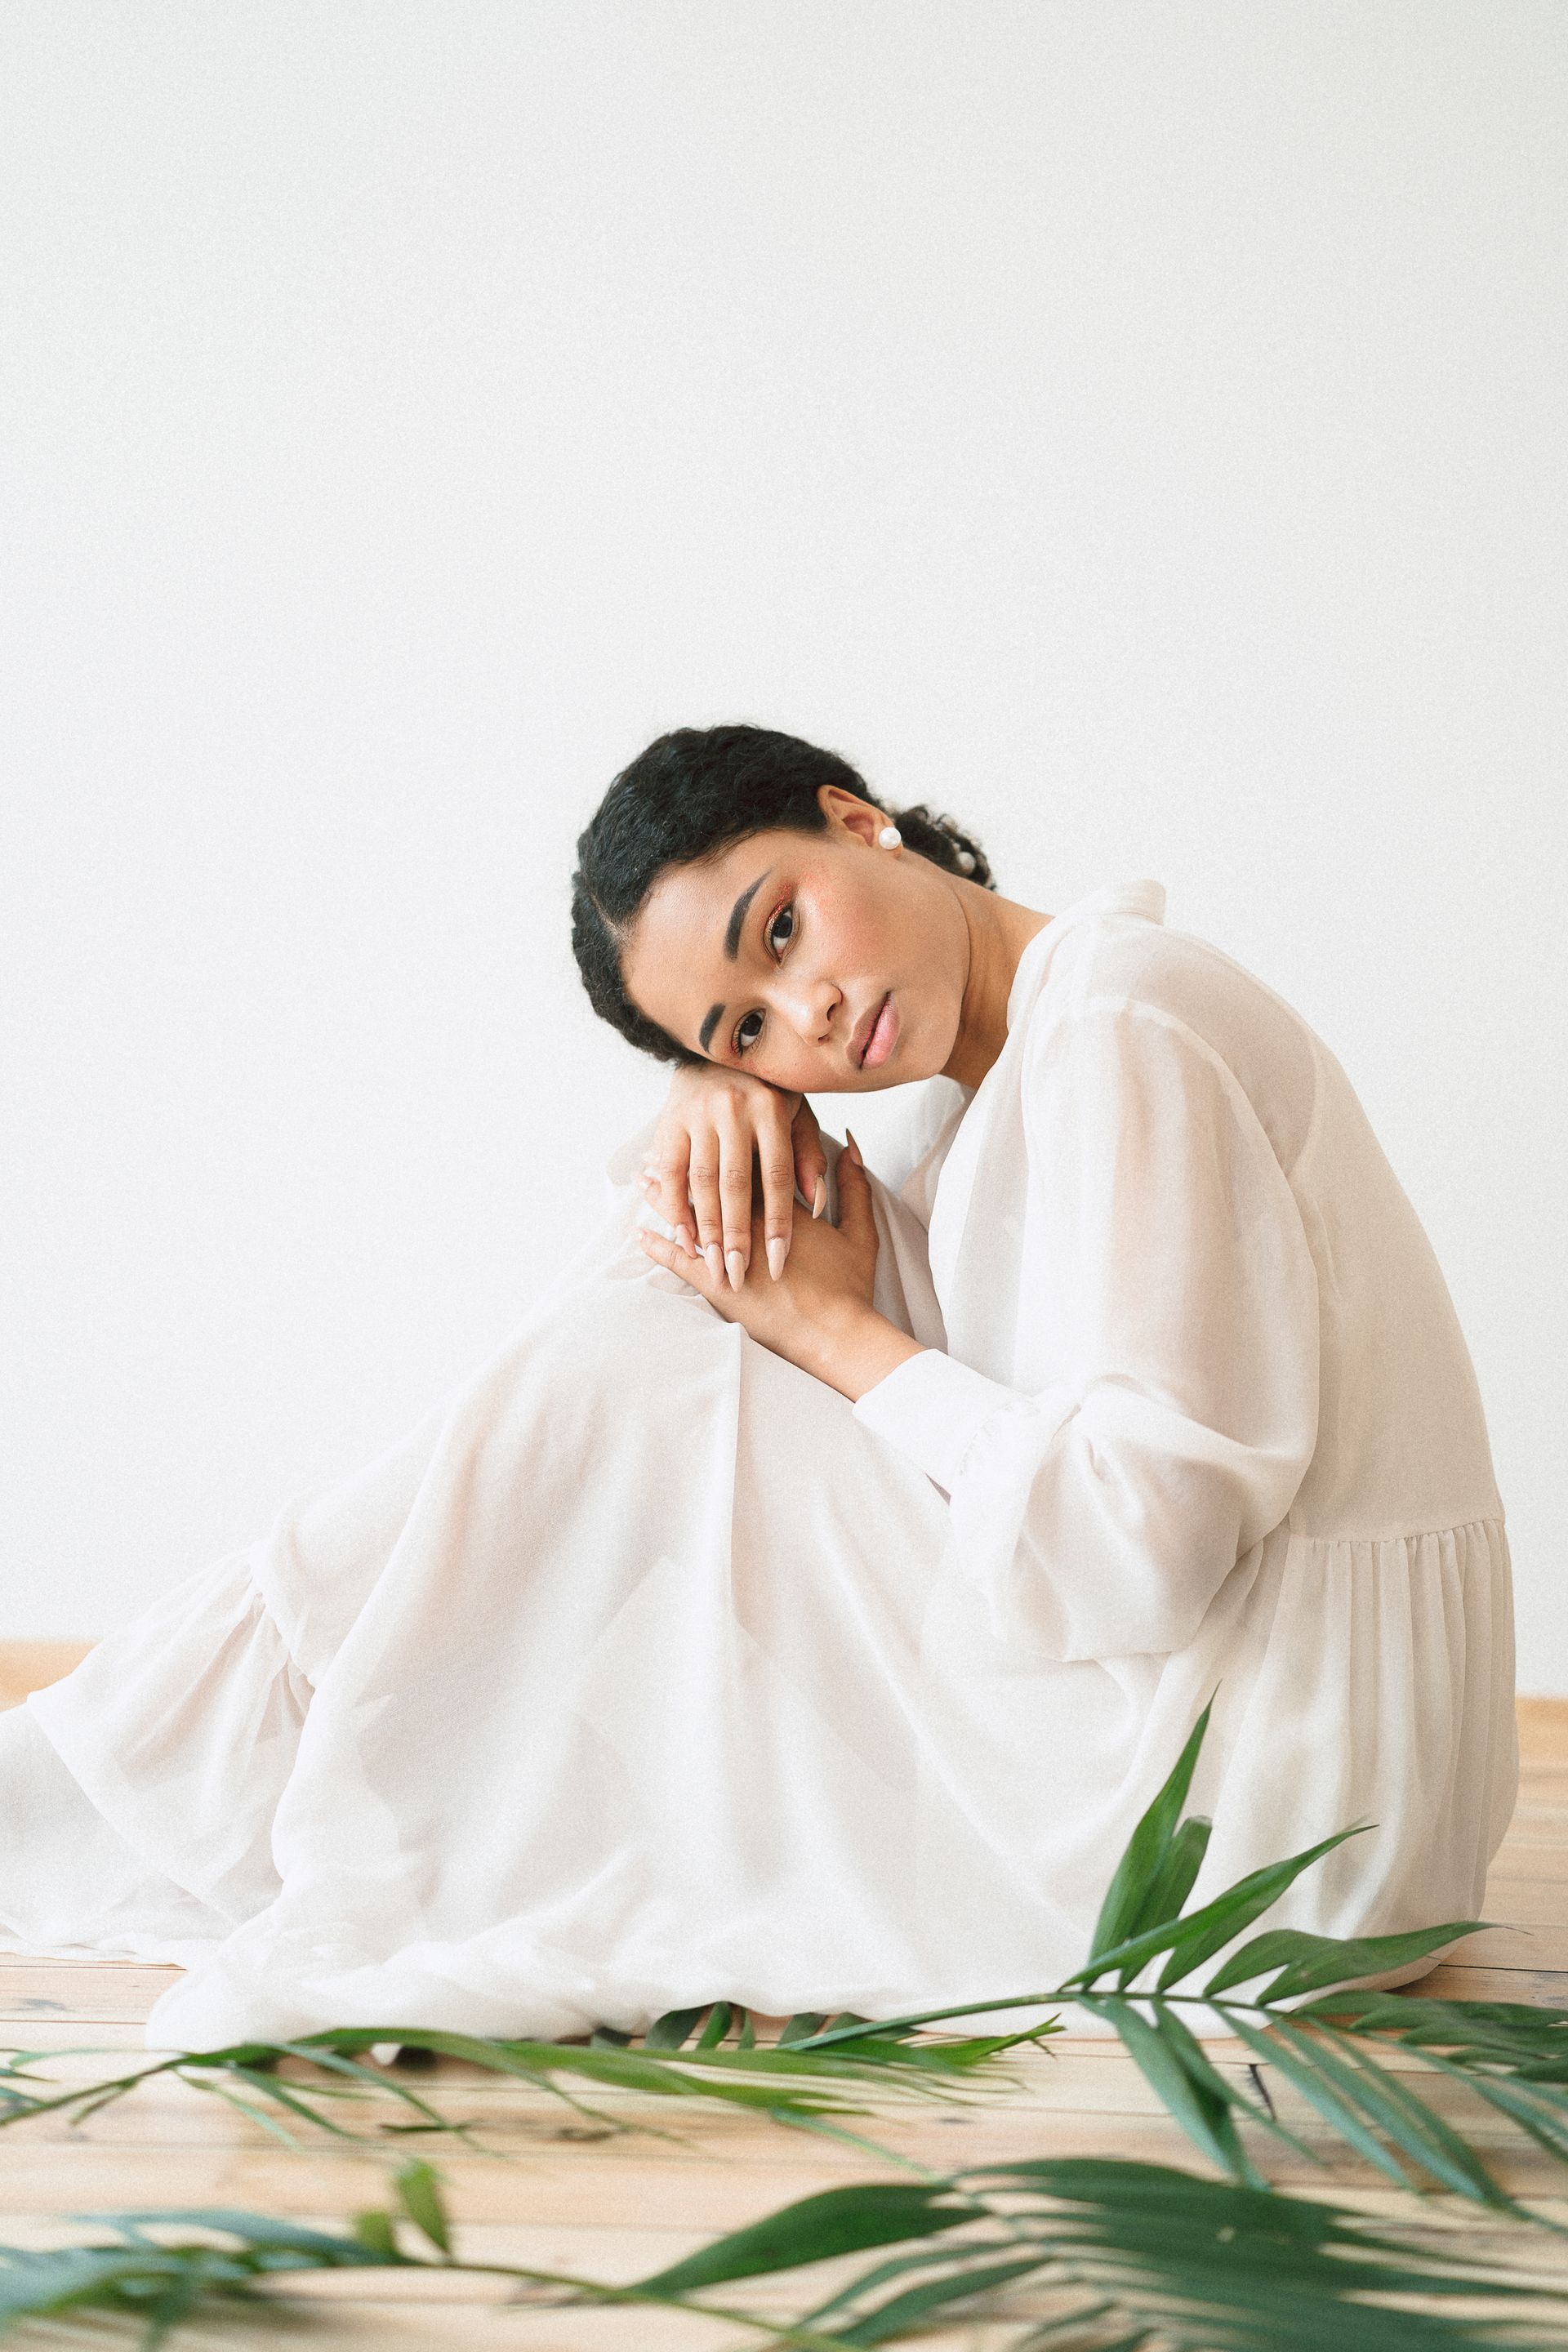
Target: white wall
[[1138, 427]]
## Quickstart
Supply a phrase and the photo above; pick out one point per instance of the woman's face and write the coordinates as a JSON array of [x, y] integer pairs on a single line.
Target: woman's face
[[820, 961]]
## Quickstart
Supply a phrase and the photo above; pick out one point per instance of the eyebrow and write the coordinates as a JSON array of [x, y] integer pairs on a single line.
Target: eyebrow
[[732, 931]]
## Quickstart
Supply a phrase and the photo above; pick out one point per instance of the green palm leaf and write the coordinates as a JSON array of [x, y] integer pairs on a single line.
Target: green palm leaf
[[1508, 2036], [1300, 2069], [1145, 2255], [670, 2031], [1312, 1963], [1174, 2064], [419, 2193], [137, 2277], [1127, 1898], [1172, 1883], [1129, 2257], [1196, 1936], [834, 2222], [1513, 2057], [1334, 2064], [805, 2078], [1327, 2048], [1369, 2107], [717, 2027]]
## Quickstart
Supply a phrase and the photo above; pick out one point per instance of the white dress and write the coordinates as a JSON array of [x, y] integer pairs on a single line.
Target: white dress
[[649, 1672]]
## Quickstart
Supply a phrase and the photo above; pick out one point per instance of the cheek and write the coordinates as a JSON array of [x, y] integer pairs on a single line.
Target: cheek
[[849, 929]]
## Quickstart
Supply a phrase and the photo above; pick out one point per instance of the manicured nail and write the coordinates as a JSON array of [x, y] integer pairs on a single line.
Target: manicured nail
[[820, 1198], [715, 1257], [687, 1240], [778, 1250], [737, 1267], [854, 1149]]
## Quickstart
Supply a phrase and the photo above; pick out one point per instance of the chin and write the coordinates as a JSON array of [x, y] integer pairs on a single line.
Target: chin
[[907, 1067], [902, 1071]]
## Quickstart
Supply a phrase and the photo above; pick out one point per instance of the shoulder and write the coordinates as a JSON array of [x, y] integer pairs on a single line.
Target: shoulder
[[1133, 996]]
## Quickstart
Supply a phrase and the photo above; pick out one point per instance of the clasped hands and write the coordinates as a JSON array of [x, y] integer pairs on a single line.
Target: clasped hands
[[798, 1283]]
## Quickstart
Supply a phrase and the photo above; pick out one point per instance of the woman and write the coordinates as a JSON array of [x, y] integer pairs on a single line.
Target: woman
[[801, 1608]]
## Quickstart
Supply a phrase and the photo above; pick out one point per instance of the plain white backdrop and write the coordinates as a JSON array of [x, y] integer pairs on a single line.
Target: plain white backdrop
[[1137, 428]]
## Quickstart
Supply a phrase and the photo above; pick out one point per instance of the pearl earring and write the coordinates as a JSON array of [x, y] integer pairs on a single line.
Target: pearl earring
[[890, 838]]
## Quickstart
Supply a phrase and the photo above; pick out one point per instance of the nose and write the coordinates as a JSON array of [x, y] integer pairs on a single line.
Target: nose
[[808, 1004]]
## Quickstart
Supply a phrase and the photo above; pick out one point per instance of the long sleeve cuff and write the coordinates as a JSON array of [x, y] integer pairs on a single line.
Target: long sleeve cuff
[[932, 1408]]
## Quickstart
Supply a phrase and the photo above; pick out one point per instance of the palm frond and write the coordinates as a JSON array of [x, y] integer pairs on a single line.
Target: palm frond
[[329, 2076], [1080, 2255], [135, 2276], [1513, 2057], [1194, 1937], [1304, 2019], [1145, 2255], [1130, 1905]]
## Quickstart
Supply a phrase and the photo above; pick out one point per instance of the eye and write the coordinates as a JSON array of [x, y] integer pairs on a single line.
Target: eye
[[777, 937]]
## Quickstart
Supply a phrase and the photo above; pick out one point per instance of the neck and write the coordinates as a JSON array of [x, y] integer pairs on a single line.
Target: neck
[[999, 932]]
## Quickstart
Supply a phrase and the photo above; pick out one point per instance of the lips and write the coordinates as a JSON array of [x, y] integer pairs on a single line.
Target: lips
[[876, 1033]]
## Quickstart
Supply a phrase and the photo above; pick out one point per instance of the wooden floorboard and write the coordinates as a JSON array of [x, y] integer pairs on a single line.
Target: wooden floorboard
[[542, 2194]]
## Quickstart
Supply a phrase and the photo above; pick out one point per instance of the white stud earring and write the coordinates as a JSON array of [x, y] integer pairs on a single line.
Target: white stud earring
[[890, 838], [966, 861]]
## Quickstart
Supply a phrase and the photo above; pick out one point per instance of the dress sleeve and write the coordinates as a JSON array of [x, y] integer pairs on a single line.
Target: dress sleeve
[[1164, 1246]]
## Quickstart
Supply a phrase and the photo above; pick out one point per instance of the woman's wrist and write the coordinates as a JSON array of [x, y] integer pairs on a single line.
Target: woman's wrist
[[859, 1348]]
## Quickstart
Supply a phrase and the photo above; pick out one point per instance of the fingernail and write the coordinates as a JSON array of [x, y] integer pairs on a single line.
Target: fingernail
[[737, 1266], [778, 1250], [854, 1149], [715, 1257], [687, 1239], [820, 1198]]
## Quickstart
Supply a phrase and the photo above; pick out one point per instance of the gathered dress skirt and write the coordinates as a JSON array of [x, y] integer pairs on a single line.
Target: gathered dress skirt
[[641, 1675]]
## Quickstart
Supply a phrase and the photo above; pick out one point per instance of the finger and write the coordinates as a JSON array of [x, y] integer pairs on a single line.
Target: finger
[[669, 1253], [666, 1252], [810, 1158], [685, 1233], [735, 1141], [856, 1220], [671, 1197], [776, 1161], [702, 1180]]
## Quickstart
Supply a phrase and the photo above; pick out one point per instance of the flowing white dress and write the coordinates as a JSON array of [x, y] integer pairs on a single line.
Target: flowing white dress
[[648, 1671]]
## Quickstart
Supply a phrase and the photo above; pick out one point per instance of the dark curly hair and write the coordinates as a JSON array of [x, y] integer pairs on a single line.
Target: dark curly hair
[[689, 794]]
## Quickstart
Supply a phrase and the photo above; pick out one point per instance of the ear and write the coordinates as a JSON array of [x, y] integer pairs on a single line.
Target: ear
[[847, 814]]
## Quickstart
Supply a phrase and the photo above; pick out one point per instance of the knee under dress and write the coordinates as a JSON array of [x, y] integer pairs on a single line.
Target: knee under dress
[[648, 1671]]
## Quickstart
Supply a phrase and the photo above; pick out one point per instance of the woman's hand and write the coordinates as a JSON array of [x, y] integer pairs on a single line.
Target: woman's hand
[[818, 1311], [698, 1177]]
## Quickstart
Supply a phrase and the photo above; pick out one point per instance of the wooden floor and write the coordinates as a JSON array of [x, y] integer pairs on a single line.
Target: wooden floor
[[619, 2206]]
